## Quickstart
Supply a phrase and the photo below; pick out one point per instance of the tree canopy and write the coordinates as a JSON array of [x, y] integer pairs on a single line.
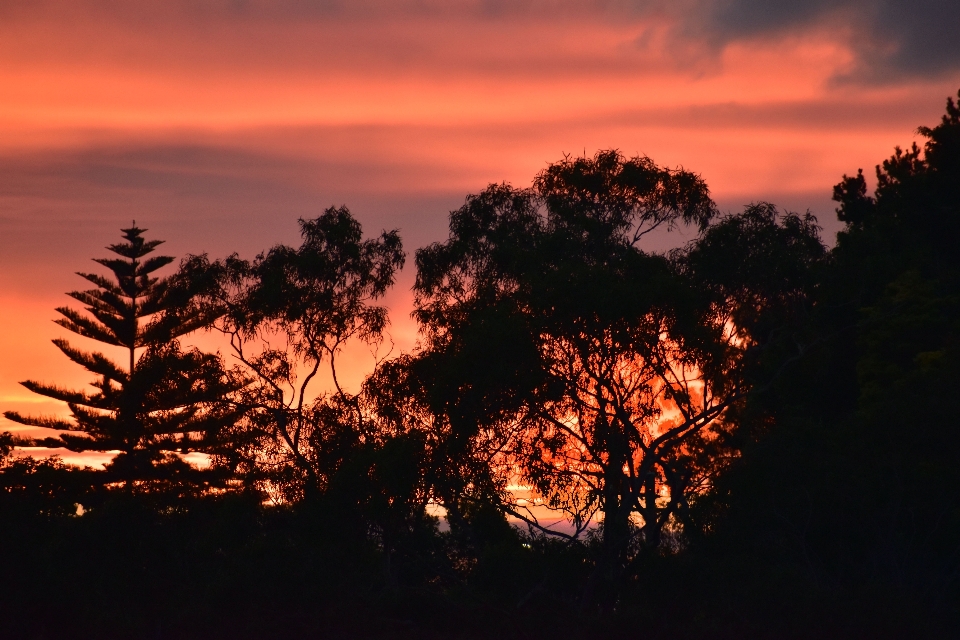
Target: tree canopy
[[288, 313], [167, 399], [599, 373]]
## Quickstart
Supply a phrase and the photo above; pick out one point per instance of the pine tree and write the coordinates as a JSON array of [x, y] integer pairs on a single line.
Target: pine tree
[[168, 399]]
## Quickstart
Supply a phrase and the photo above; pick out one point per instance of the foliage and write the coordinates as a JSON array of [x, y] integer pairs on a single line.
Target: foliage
[[287, 314], [849, 461], [166, 400], [598, 373]]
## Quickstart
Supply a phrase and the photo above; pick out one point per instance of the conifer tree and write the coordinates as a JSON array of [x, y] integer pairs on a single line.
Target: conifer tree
[[168, 399]]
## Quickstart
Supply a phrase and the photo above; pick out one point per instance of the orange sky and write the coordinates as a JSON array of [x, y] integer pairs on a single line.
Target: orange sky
[[217, 124]]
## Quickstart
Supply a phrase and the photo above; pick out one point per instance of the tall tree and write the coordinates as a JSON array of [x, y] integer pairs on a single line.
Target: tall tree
[[848, 470], [166, 399], [288, 314], [600, 372], [560, 343]]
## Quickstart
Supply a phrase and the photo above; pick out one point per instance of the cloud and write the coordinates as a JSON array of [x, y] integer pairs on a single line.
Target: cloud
[[891, 39]]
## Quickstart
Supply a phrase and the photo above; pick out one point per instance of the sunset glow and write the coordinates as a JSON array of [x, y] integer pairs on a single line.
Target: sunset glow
[[216, 126]]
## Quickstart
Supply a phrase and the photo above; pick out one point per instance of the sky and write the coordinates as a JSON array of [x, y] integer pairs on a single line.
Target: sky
[[217, 124]]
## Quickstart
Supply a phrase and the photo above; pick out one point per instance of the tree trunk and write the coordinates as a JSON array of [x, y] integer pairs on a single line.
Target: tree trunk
[[616, 523], [601, 589], [651, 526]]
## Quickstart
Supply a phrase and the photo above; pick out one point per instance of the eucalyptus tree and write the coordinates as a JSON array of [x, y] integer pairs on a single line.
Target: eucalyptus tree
[[288, 315], [166, 399], [564, 356]]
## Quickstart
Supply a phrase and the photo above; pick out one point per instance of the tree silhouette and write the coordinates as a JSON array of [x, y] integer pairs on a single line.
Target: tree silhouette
[[559, 343], [598, 372], [288, 313], [167, 399], [860, 460]]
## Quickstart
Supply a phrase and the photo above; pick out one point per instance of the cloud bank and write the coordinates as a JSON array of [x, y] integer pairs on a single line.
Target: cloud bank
[[889, 40]]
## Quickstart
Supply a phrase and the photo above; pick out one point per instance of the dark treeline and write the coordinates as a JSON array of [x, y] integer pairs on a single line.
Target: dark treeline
[[752, 436]]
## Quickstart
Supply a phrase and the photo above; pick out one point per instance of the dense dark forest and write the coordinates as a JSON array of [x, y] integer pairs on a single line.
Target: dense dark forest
[[751, 436]]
